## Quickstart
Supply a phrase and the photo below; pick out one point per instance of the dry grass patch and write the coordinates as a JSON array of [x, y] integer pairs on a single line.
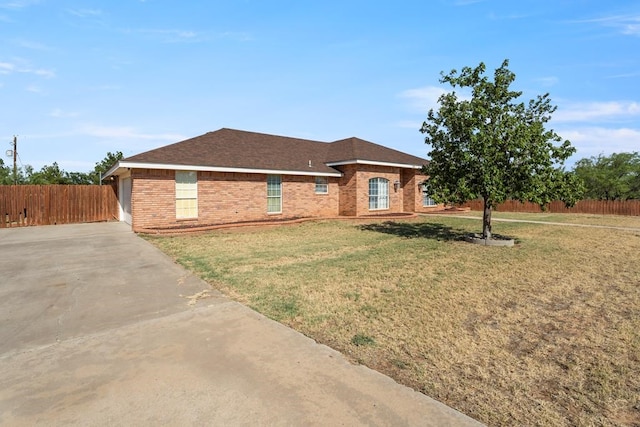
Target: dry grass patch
[[588, 219], [545, 333]]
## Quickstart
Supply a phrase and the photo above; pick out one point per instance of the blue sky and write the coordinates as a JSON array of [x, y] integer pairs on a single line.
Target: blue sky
[[81, 78]]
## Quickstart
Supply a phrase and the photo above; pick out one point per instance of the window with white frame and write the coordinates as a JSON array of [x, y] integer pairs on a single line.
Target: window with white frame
[[322, 185], [378, 193], [426, 199], [186, 194], [274, 194]]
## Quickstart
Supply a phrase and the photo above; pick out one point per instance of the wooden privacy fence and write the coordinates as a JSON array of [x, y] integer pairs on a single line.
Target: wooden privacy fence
[[24, 205], [598, 207]]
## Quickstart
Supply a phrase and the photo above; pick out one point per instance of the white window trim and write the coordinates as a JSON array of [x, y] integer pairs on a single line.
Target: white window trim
[[273, 197], [426, 198], [325, 184], [194, 191], [379, 183]]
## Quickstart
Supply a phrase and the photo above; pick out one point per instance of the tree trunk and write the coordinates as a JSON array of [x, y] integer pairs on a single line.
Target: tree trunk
[[486, 220]]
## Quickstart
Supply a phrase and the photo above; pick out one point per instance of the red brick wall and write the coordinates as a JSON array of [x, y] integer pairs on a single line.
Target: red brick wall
[[418, 179], [152, 198], [299, 197], [236, 197], [226, 197], [354, 194], [348, 184], [409, 188]]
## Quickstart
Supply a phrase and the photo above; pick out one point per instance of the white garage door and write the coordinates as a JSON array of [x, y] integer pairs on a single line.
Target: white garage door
[[125, 200]]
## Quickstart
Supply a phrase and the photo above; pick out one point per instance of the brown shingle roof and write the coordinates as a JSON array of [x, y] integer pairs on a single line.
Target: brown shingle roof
[[230, 148], [359, 149]]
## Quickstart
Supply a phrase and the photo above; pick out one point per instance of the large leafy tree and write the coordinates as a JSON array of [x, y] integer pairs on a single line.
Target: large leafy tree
[[489, 145], [614, 177]]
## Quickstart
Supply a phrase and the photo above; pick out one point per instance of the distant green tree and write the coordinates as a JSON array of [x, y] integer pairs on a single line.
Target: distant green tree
[[53, 174], [614, 177], [104, 165], [6, 174], [48, 175], [492, 146], [79, 178]]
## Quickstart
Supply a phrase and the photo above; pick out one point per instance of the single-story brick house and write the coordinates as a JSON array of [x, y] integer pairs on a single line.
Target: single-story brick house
[[230, 176]]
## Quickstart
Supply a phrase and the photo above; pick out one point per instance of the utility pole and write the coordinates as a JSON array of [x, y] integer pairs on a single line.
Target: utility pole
[[15, 160]]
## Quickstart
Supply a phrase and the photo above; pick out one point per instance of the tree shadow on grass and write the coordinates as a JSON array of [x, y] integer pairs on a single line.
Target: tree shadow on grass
[[417, 230]]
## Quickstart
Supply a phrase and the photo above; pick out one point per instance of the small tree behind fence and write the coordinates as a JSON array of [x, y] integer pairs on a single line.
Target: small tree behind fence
[[25, 205], [598, 207]]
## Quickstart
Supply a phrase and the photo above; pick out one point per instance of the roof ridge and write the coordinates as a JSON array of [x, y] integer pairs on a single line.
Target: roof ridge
[[270, 135]]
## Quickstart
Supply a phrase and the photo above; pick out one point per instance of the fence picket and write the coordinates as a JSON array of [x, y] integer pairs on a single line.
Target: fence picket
[[24, 205], [597, 207]]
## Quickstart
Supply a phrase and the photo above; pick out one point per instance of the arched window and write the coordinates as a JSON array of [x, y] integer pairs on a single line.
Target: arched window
[[378, 193]]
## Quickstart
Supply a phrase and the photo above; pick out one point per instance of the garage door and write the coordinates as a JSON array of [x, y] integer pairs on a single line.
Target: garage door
[[125, 200]]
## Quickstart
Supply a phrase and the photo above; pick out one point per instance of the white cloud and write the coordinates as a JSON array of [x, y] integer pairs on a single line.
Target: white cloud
[[35, 89], [10, 68], [423, 99], [409, 124], [85, 13], [594, 111], [592, 141], [28, 44], [495, 17], [105, 87], [629, 25], [126, 132], [238, 36], [17, 4], [60, 114], [7, 68], [169, 35], [623, 75], [626, 24], [466, 2], [42, 73], [547, 81]]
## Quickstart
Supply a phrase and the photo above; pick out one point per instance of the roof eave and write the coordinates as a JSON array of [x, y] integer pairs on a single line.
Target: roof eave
[[113, 171], [374, 163], [125, 165]]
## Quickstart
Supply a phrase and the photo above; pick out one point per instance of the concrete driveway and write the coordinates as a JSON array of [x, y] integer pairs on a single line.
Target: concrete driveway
[[97, 327]]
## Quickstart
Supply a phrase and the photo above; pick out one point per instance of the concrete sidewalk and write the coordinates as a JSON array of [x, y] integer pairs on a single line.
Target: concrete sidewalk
[[97, 327]]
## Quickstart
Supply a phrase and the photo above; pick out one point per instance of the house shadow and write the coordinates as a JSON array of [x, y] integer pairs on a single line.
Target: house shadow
[[417, 230]]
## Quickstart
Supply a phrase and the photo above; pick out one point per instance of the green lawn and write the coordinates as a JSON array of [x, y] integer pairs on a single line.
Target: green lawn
[[544, 333]]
